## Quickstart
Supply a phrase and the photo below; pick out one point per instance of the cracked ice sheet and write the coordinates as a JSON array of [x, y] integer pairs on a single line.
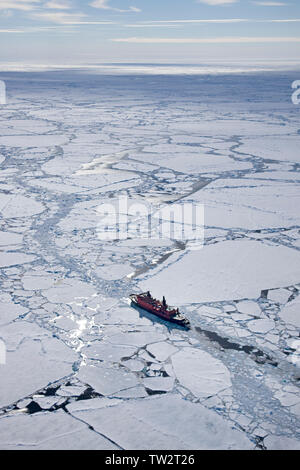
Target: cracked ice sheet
[[250, 204], [9, 311], [10, 238], [233, 270], [229, 127], [121, 315], [291, 312], [197, 162], [26, 125], [168, 422], [19, 206], [34, 359], [114, 271], [280, 148], [53, 431], [69, 290], [15, 258], [103, 351], [125, 124], [33, 141], [84, 183], [201, 373], [285, 176], [106, 380]]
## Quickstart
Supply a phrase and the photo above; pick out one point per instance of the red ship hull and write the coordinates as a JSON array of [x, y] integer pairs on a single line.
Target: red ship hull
[[157, 308]]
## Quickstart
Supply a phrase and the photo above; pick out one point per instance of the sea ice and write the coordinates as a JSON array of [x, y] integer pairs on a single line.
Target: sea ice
[[280, 296], [136, 338], [56, 430], [198, 163], [37, 280], [291, 312], [10, 238], [261, 326], [102, 351], [19, 206], [163, 384], [74, 141], [114, 271], [273, 442], [10, 311], [201, 373], [249, 204], [26, 141], [167, 422], [249, 307], [281, 148], [68, 290], [105, 380], [161, 351], [14, 259], [34, 359], [225, 271]]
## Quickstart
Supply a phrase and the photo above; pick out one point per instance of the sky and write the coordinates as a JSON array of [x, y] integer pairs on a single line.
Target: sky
[[74, 32]]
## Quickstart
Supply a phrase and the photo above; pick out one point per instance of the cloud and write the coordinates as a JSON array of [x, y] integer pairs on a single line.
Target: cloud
[[230, 20], [292, 20], [103, 4], [216, 21], [32, 30], [17, 31], [23, 5], [100, 4], [221, 40], [270, 4], [63, 18], [91, 22], [217, 2], [55, 5], [146, 25], [59, 17]]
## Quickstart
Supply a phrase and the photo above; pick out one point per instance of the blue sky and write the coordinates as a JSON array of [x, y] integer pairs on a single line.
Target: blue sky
[[163, 31]]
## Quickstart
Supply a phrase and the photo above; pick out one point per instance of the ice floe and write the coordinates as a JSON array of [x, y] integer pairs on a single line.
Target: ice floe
[[19, 206], [201, 373], [249, 204], [161, 351], [105, 380], [34, 358], [247, 266], [49, 431], [15, 258], [291, 312], [84, 369], [168, 422]]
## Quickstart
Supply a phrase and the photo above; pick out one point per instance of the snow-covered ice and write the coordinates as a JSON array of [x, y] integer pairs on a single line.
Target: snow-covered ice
[[201, 373], [49, 431], [107, 381], [82, 368], [291, 313], [248, 267], [34, 359], [168, 422]]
